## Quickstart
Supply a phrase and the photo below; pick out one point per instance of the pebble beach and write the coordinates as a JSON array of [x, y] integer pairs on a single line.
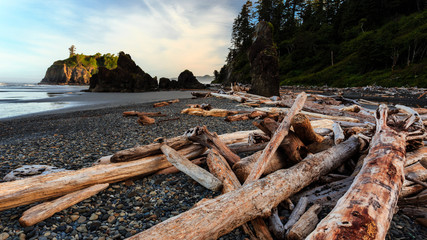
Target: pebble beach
[[76, 139]]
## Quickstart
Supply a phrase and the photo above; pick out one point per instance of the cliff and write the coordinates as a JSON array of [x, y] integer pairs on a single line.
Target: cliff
[[78, 69], [60, 73]]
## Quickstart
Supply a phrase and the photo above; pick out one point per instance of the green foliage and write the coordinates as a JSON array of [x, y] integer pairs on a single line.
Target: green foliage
[[341, 42]]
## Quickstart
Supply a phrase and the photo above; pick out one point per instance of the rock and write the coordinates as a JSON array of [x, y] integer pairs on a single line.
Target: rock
[[127, 77], [29, 171], [187, 80], [264, 62], [93, 217], [81, 219], [82, 228], [4, 236], [60, 73], [164, 83]]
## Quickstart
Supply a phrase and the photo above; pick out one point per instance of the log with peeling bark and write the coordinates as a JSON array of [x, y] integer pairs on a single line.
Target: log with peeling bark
[[291, 145], [303, 129], [305, 225], [221, 169], [276, 139], [338, 133], [366, 210], [244, 167], [150, 149], [198, 174], [26, 191], [45, 210], [216, 217], [211, 140]]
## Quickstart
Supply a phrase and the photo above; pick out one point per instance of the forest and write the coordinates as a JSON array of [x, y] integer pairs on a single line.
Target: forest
[[337, 43]]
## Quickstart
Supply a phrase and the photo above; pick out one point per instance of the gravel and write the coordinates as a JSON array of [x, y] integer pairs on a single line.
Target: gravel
[[75, 140]]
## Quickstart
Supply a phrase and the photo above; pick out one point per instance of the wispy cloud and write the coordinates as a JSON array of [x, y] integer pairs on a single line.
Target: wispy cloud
[[164, 37]]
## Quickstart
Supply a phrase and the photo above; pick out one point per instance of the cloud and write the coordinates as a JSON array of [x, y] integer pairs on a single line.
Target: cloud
[[164, 37]]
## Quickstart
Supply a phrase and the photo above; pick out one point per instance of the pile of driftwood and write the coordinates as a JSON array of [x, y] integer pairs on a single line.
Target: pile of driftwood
[[309, 150]]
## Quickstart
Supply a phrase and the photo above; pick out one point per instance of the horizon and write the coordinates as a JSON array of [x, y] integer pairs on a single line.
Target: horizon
[[163, 37]]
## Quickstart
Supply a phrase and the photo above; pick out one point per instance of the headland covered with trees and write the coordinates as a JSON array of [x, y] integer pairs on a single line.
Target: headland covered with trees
[[338, 43]]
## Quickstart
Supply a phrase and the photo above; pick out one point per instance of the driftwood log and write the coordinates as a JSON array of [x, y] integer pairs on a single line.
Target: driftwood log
[[305, 225], [200, 175], [303, 129], [45, 210], [276, 139], [216, 217], [221, 169], [366, 210]]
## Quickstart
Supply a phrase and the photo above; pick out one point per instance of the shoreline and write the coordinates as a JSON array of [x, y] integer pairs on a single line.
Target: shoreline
[[84, 101]]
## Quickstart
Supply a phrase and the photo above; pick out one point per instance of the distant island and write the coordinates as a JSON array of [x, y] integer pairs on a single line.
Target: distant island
[[78, 68], [111, 73]]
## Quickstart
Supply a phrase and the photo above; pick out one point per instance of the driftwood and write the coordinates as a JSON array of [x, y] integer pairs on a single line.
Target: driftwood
[[221, 169], [173, 169], [276, 225], [370, 202], [165, 103], [291, 145], [144, 120], [211, 140], [210, 113], [305, 225], [231, 97], [338, 133], [201, 94], [310, 114], [303, 129], [244, 167], [26, 191], [148, 114], [150, 149], [296, 213], [45, 210], [276, 139], [200, 175], [221, 215]]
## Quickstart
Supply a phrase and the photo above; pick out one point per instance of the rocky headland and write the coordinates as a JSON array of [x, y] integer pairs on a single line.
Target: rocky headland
[[59, 73]]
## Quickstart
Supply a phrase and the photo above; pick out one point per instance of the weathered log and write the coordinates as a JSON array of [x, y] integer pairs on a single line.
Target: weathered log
[[221, 215], [296, 213], [150, 149], [221, 169], [45, 210], [338, 133], [419, 200], [144, 120], [210, 113], [366, 209], [291, 145], [173, 169], [26, 191], [276, 225], [160, 104], [244, 167], [352, 108], [305, 225], [303, 129], [247, 147], [415, 171], [237, 117], [276, 139], [322, 146], [231, 97], [310, 114], [201, 94], [211, 140], [198, 174]]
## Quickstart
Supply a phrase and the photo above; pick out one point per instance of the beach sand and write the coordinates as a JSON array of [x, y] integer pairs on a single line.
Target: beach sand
[[76, 137]]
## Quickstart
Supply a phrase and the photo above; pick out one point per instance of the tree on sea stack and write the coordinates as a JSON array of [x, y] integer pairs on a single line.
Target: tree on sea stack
[[72, 50], [264, 62]]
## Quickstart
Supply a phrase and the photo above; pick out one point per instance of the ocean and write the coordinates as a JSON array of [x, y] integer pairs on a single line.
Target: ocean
[[24, 98]]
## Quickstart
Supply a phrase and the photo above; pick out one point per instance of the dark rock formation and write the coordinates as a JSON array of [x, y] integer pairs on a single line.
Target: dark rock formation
[[187, 80], [60, 73], [264, 62], [164, 83], [127, 77]]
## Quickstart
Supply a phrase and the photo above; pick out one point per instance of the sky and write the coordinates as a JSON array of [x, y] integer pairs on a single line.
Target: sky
[[163, 37]]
